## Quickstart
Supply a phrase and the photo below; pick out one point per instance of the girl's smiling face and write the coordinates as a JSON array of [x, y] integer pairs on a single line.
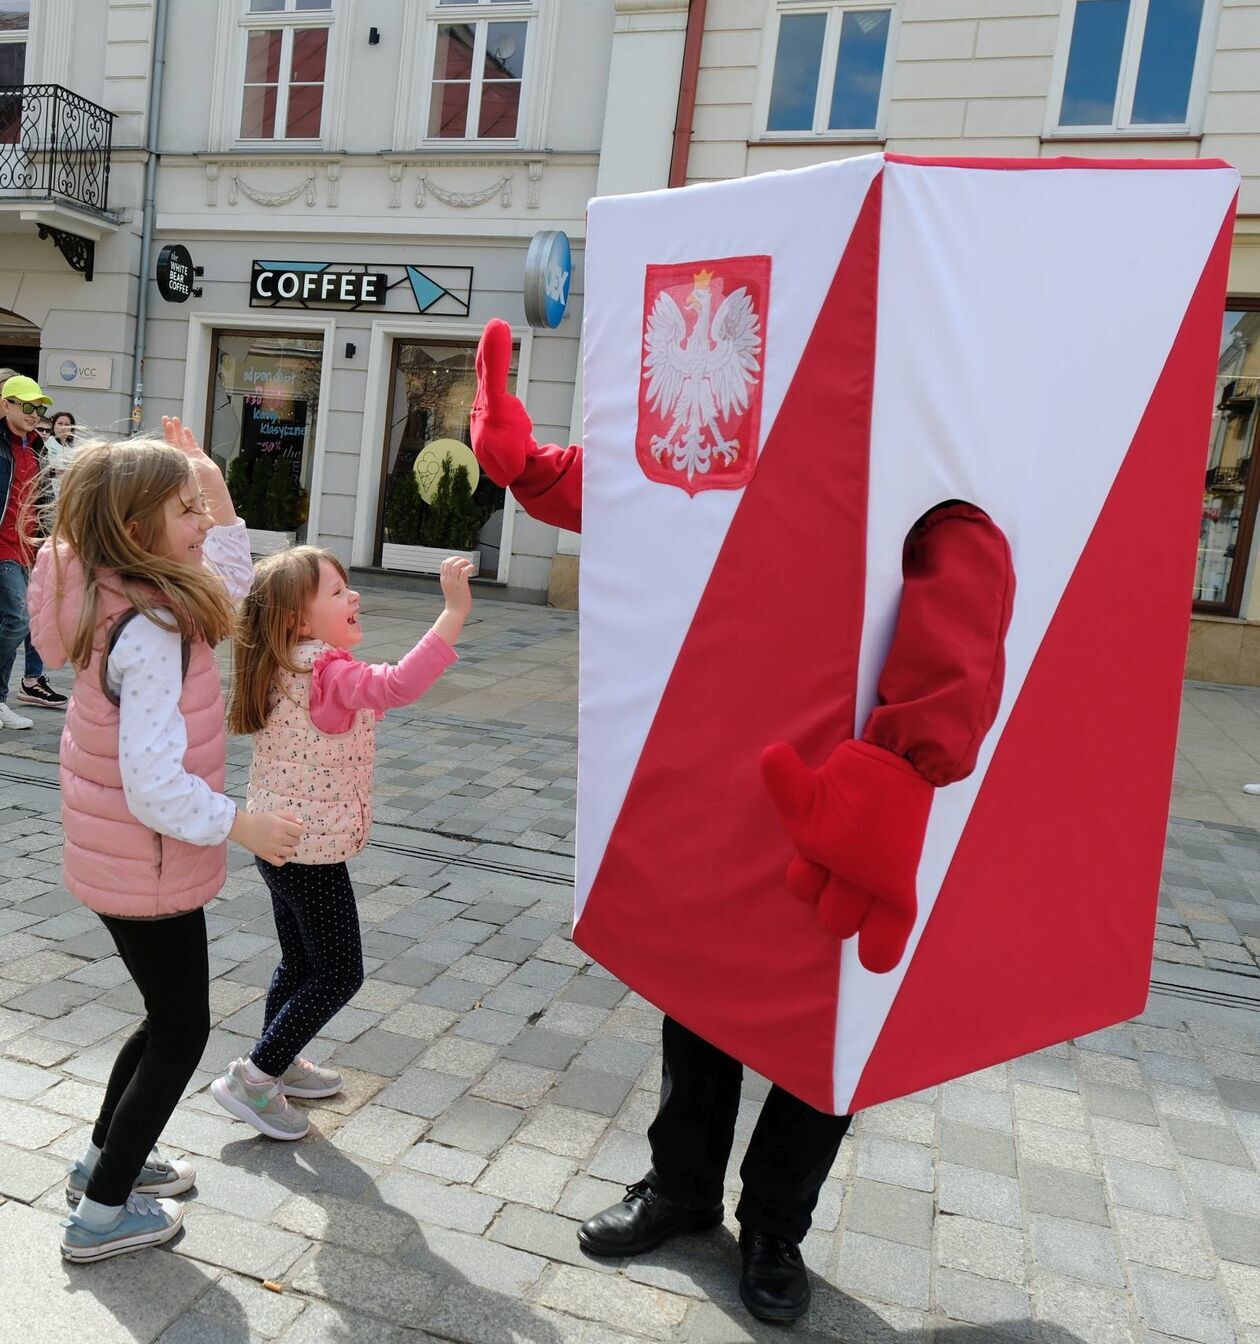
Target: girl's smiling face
[[185, 522], [332, 615]]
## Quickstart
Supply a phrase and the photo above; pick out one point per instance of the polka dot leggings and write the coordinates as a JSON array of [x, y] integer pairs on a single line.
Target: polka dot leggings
[[321, 957]]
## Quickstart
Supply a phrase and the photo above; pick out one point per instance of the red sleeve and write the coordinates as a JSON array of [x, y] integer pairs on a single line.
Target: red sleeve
[[550, 486], [942, 680]]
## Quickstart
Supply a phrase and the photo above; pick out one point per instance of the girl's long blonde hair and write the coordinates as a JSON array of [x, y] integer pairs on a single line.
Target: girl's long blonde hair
[[267, 628], [110, 514]]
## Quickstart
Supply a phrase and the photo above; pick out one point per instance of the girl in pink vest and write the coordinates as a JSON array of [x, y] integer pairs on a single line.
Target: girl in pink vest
[[312, 710], [134, 588]]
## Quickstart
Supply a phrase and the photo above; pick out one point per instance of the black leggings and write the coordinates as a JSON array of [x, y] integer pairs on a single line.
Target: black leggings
[[790, 1153], [167, 960], [321, 957]]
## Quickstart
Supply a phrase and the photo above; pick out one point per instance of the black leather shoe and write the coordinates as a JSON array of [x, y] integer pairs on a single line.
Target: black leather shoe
[[644, 1219], [774, 1285]]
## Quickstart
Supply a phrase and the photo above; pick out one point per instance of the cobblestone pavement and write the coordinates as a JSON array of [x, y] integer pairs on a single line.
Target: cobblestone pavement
[[499, 1087]]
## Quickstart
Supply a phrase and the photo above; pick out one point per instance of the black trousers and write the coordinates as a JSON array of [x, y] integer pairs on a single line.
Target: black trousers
[[321, 957], [790, 1153], [168, 961]]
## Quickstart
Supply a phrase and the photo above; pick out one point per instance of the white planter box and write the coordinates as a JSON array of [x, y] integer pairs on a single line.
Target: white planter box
[[423, 559], [264, 542]]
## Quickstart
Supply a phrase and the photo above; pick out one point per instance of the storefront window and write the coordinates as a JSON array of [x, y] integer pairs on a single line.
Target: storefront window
[[432, 390], [264, 406], [1230, 492]]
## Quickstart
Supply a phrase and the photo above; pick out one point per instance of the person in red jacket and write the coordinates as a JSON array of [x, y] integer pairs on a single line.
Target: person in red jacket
[[857, 826]]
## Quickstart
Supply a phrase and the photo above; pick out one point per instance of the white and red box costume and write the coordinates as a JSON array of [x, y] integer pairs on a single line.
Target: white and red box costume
[[786, 377]]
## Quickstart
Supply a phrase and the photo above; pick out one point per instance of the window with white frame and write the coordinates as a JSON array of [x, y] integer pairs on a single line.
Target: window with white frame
[[829, 68], [477, 81], [15, 21], [1127, 65], [285, 68]]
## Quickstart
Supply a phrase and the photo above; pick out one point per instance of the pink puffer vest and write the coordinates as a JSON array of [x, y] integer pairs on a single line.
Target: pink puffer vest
[[113, 863], [324, 778]]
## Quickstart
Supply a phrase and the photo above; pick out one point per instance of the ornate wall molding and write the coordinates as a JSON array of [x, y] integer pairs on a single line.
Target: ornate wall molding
[[458, 196], [272, 195], [463, 200]]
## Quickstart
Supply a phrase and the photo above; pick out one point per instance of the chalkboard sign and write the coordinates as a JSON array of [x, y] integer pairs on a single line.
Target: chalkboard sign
[[274, 426]]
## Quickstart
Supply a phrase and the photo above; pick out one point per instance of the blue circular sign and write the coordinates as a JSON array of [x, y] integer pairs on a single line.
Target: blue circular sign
[[548, 273], [69, 371]]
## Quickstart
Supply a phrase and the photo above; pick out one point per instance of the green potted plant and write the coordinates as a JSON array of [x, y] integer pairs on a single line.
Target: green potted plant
[[267, 498], [419, 536]]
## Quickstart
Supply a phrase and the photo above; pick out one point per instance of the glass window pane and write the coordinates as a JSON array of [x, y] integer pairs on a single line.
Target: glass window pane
[[505, 50], [859, 70], [266, 6], [313, 4], [1169, 47], [12, 62], [500, 107], [15, 16], [1089, 91], [448, 114], [305, 102], [258, 112], [310, 49], [796, 64], [262, 57], [454, 51], [1235, 427]]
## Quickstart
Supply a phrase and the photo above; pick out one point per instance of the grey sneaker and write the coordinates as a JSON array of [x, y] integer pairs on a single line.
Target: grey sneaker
[[157, 1177], [262, 1105], [141, 1222], [304, 1079]]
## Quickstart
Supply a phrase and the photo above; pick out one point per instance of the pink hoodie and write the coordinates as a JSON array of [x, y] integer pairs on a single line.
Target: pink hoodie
[[113, 863]]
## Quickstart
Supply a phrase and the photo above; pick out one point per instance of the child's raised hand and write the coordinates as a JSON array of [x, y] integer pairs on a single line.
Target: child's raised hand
[[454, 578], [178, 435], [209, 477], [273, 836]]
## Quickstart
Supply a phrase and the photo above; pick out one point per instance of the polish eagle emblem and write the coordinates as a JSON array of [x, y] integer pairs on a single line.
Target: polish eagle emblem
[[699, 380]]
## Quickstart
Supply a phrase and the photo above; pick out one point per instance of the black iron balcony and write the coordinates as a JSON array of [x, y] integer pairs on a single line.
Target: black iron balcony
[[54, 146]]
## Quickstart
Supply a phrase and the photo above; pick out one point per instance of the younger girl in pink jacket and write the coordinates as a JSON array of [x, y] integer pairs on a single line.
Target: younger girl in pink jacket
[[312, 709]]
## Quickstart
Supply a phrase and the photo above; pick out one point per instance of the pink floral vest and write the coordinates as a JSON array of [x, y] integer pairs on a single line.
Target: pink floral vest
[[113, 863], [324, 778]]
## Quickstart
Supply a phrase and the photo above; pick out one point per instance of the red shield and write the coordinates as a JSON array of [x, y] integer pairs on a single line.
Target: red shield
[[704, 358]]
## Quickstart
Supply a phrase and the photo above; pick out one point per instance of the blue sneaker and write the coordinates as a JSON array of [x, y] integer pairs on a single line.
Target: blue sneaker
[[141, 1222], [157, 1177]]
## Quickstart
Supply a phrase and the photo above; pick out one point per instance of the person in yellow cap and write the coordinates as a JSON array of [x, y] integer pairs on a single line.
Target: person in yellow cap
[[22, 403]]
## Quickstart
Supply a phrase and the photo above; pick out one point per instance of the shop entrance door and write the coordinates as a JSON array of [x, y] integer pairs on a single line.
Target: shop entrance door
[[19, 344]]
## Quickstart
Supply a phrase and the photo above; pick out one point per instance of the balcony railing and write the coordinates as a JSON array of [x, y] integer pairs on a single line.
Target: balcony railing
[[54, 145]]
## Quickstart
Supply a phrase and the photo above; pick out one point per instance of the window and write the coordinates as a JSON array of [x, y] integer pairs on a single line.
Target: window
[[286, 61], [1230, 491], [15, 20], [829, 64], [1133, 64], [476, 91]]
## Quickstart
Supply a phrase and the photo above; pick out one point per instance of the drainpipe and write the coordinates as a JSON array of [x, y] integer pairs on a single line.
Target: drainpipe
[[152, 118], [687, 93]]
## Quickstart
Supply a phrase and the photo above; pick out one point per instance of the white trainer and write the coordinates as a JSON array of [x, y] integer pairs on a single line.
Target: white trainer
[[10, 718], [1251, 788]]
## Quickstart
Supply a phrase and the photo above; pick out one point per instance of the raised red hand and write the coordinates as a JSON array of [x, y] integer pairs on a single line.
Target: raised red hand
[[501, 430]]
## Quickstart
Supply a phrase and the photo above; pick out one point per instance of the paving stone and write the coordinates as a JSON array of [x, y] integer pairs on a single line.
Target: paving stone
[[594, 990], [496, 1028], [896, 1163], [1048, 1106], [385, 1053], [476, 1126], [1048, 1145], [1236, 1236], [33, 1049], [446, 1254], [978, 1194], [1081, 1311], [448, 1164], [981, 1301], [1165, 1243], [458, 1057], [515, 1084], [1139, 1142], [1242, 1289], [622, 1157], [1119, 1103], [1222, 1187], [432, 1201], [522, 1175], [1136, 1185], [1076, 1250], [236, 1302], [475, 1315], [1213, 1143], [586, 1090], [613, 1300], [26, 1176], [447, 992], [546, 1049], [546, 1234], [1240, 1094], [901, 1119], [985, 1249], [563, 1130], [252, 1248], [976, 1106], [1175, 1069], [21, 1082], [422, 1092], [54, 999], [379, 1133], [884, 1270], [1186, 1308], [28, 1128], [1046, 1069], [363, 1225], [971, 1146], [368, 1283], [422, 1021], [1065, 1194], [891, 1212], [612, 1054]]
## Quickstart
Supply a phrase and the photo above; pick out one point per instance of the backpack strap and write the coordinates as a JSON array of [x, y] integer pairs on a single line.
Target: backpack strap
[[111, 639]]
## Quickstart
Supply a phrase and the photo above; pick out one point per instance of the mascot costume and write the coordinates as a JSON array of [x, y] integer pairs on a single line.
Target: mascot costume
[[889, 495]]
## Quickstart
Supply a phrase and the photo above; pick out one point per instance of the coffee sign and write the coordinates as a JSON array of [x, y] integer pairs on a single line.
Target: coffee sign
[[314, 284], [175, 273]]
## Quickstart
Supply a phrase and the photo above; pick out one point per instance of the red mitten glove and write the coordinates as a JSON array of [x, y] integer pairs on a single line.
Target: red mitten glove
[[858, 825], [501, 430]]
